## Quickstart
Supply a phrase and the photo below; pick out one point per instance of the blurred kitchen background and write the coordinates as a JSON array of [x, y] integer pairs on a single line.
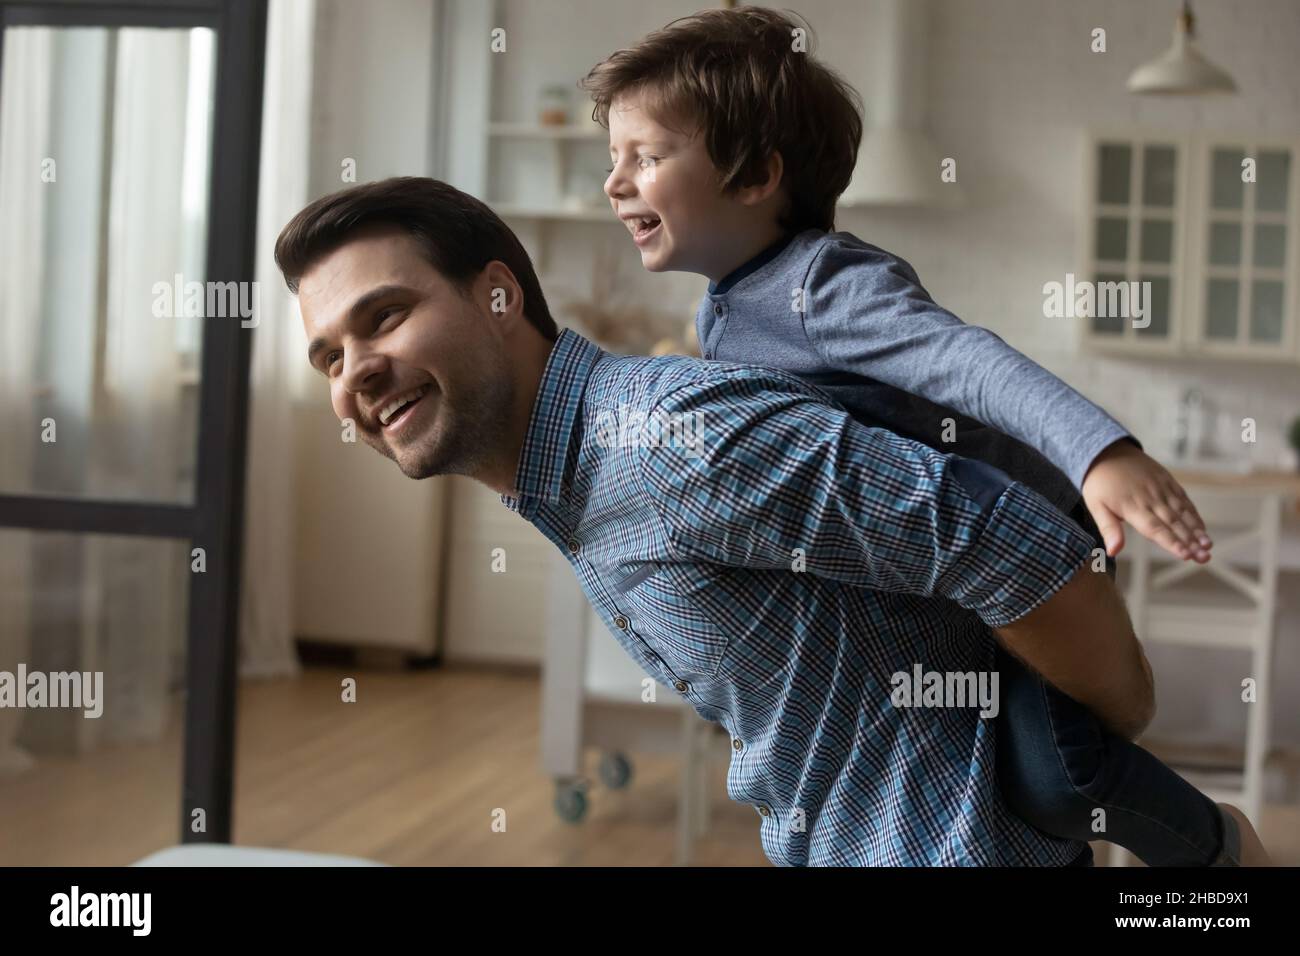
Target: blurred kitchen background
[[482, 682]]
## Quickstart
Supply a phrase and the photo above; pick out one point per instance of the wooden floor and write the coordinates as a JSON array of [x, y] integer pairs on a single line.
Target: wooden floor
[[410, 774]]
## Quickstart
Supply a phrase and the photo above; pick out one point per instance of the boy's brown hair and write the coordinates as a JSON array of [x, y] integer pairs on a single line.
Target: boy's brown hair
[[743, 79]]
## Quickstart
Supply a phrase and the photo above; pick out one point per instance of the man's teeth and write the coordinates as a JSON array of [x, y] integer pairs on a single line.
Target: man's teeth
[[387, 412]]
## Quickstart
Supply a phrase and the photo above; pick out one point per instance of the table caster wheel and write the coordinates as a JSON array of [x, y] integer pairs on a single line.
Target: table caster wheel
[[615, 771], [570, 802]]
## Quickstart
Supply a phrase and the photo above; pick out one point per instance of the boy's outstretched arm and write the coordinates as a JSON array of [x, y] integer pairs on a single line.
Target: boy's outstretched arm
[[867, 314]]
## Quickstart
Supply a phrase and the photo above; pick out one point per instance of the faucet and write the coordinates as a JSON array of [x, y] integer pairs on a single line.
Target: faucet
[[1189, 429]]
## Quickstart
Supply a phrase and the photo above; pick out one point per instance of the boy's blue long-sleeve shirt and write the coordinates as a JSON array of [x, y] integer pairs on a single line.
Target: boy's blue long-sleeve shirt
[[855, 321]]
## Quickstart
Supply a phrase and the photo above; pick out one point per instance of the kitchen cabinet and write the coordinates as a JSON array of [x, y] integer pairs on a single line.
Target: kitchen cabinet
[[1205, 226]]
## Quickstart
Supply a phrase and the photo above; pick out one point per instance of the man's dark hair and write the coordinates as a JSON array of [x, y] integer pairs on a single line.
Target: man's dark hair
[[459, 235]]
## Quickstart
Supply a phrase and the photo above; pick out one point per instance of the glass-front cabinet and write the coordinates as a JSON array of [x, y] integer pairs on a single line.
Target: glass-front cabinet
[[1190, 246]]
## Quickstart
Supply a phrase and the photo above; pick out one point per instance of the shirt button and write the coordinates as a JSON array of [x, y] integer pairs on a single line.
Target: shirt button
[[575, 545], [717, 310], [620, 622], [763, 811], [736, 744], [681, 686]]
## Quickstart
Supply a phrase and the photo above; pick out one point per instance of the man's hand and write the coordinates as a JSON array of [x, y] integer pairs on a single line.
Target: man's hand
[[1126, 484], [1081, 641]]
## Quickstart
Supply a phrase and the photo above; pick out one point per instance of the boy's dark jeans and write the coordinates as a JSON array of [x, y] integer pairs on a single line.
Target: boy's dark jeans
[[1057, 766]]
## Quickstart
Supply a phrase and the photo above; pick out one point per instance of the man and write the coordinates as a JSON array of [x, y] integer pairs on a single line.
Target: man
[[748, 543]]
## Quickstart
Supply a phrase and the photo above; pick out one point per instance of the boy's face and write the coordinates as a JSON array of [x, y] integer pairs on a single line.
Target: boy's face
[[666, 179]]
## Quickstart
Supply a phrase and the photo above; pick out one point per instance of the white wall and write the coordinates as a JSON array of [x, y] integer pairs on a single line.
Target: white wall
[[374, 83], [371, 94]]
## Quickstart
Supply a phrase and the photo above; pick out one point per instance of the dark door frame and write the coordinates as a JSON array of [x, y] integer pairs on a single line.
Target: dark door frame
[[214, 521]]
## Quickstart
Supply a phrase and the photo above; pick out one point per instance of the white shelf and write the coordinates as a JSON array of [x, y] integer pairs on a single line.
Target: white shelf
[[530, 170], [537, 131]]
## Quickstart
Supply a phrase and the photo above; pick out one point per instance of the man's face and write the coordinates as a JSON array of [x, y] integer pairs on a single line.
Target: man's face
[[413, 361], [667, 177]]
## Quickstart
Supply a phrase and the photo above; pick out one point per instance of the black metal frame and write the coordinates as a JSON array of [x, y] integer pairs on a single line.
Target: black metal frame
[[215, 520]]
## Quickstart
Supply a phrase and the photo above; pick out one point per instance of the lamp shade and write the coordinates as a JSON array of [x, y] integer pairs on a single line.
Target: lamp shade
[[1182, 70]]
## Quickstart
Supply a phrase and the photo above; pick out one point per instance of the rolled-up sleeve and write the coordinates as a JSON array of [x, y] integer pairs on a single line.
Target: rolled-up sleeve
[[780, 477], [1028, 551]]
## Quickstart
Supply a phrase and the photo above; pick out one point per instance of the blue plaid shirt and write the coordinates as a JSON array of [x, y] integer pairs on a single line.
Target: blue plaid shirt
[[777, 563]]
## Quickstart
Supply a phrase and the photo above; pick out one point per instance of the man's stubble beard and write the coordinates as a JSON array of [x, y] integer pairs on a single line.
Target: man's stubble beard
[[463, 434]]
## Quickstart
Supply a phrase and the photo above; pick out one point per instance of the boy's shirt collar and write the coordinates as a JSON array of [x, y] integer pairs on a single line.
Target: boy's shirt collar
[[757, 262]]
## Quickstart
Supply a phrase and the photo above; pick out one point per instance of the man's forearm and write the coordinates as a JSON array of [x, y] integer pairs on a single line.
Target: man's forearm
[[1081, 641]]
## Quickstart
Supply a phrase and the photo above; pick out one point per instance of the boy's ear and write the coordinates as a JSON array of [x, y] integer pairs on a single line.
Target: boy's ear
[[758, 192]]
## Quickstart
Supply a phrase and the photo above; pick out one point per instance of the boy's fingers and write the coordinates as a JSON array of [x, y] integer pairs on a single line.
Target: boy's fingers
[[1173, 520], [1199, 541], [1188, 520], [1179, 521], [1181, 506], [1179, 501], [1159, 532], [1187, 535]]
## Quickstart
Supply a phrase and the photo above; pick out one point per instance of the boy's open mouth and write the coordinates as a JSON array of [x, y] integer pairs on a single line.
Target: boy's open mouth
[[643, 229]]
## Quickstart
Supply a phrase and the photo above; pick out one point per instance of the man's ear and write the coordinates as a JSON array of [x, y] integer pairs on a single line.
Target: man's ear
[[500, 294]]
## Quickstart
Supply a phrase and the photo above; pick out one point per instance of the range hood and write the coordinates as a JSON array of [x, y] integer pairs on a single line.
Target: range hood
[[897, 164]]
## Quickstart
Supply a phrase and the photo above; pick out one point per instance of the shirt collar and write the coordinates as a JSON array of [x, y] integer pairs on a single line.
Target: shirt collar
[[544, 454], [757, 262]]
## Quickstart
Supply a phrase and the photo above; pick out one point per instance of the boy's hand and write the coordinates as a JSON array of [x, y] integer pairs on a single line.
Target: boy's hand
[[1127, 484]]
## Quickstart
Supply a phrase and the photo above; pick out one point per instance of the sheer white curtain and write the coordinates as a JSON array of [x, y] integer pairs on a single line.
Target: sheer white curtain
[[81, 348], [123, 376], [279, 347], [23, 148], [142, 432]]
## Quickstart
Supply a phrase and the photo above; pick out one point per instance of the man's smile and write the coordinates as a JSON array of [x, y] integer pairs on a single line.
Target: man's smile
[[395, 412]]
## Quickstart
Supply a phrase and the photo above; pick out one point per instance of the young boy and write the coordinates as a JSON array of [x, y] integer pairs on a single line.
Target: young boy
[[730, 145]]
